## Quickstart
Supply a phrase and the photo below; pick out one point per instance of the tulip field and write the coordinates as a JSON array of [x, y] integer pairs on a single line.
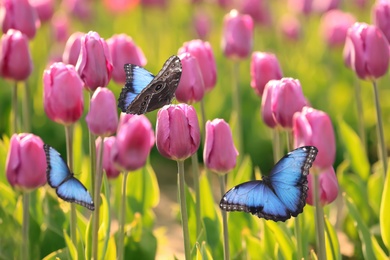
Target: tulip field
[[197, 129]]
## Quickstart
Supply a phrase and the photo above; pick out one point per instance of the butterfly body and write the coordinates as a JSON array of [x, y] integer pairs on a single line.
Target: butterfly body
[[144, 92], [279, 196], [62, 179]]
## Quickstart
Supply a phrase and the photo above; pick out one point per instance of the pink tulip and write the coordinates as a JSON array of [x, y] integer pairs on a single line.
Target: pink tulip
[[314, 127], [282, 98], [257, 9], [322, 6], [191, 85], [15, 58], [291, 28], [102, 118], [72, 48], [94, 64], [60, 26], [44, 9], [237, 40], [177, 131], [328, 189], [134, 140], [204, 54], [202, 24], [108, 164], [26, 162], [63, 93], [366, 51], [334, 27], [264, 67], [301, 6], [120, 6], [123, 50], [81, 9], [381, 16], [219, 153], [19, 15]]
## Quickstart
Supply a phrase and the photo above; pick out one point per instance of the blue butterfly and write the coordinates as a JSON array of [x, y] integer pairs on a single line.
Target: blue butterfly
[[61, 178], [278, 196], [144, 92]]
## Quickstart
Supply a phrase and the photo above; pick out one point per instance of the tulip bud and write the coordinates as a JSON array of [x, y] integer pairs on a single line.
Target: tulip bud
[[204, 54], [191, 85], [15, 58], [314, 127], [202, 24], [328, 189], [334, 27], [60, 26], [63, 93], [257, 9], [102, 118], [26, 162], [366, 50], [19, 15], [134, 140], [237, 40], [94, 63], [177, 131], [79, 8], [381, 17], [108, 164], [282, 98], [291, 28], [264, 67], [123, 50], [219, 153], [44, 9], [72, 49]]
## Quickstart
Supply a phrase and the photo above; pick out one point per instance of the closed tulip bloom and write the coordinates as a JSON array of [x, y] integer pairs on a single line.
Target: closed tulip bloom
[[62, 93], [291, 27], [282, 98], [44, 9], [202, 24], [102, 118], [72, 48], [134, 140], [366, 50], [381, 16], [26, 162], [257, 9], [264, 67], [81, 9], [177, 131], [19, 15], [219, 153], [94, 63], [191, 85], [329, 186], [108, 163], [15, 58], [314, 127], [334, 27], [123, 50], [204, 54], [237, 39]]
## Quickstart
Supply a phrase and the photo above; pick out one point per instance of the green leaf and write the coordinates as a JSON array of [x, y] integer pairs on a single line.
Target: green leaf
[[110, 252], [355, 150], [71, 247], [331, 242], [375, 191], [385, 212], [378, 251], [283, 237], [106, 216]]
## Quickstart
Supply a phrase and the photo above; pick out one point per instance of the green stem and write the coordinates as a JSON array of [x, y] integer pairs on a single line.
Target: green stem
[[15, 108], [226, 252], [360, 117], [92, 150], [122, 215], [26, 109], [319, 218], [276, 145], [237, 107], [195, 171], [382, 144], [25, 249], [183, 209], [98, 185], [203, 114], [69, 156]]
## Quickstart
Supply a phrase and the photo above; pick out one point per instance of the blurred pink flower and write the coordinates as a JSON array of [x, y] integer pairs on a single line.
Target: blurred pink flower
[[15, 58], [301, 6], [264, 67], [334, 27], [134, 140], [44, 9], [191, 86], [63, 93], [366, 51], [94, 63], [119, 6], [237, 39], [72, 48], [281, 99], [154, 3], [177, 131], [257, 9], [204, 54], [381, 16], [82, 9], [123, 50], [314, 127], [19, 15], [108, 164], [290, 27], [60, 25], [26, 162], [329, 186], [202, 24], [102, 118], [219, 153]]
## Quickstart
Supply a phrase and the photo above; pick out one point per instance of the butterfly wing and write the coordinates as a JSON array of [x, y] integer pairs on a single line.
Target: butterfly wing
[[73, 190], [57, 170]]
